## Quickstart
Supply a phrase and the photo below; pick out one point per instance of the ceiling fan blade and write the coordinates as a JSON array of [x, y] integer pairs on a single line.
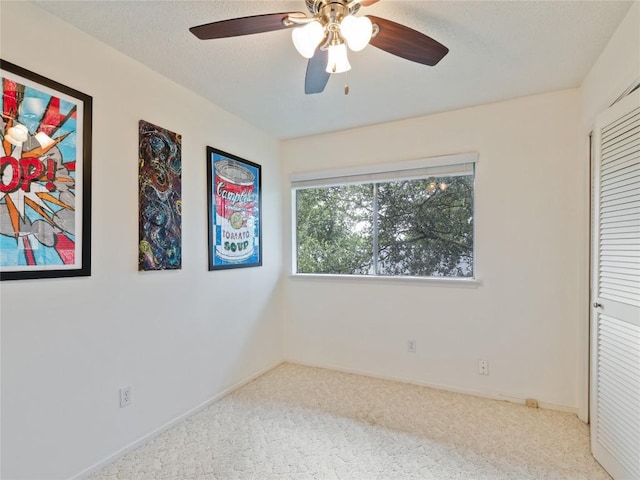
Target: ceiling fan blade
[[235, 27], [317, 76], [407, 43]]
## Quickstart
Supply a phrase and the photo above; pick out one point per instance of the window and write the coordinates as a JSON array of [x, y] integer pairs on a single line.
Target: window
[[410, 219]]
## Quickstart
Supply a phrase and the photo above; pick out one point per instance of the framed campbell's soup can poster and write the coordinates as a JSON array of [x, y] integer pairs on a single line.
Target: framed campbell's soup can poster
[[234, 211]]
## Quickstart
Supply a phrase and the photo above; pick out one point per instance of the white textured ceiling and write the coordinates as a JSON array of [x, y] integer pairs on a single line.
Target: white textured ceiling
[[498, 50]]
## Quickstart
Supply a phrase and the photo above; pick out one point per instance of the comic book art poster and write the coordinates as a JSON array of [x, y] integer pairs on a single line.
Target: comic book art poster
[[160, 198], [45, 177], [234, 211]]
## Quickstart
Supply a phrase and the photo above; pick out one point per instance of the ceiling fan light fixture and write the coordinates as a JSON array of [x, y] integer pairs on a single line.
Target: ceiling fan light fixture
[[356, 31], [307, 38], [323, 36], [338, 61]]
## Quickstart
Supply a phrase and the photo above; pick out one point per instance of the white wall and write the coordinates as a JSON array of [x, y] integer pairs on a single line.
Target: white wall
[[178, 338], [523, 318]]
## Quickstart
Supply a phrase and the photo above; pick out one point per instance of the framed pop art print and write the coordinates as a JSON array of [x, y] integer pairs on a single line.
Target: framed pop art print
[[45, 177], [234, 211]]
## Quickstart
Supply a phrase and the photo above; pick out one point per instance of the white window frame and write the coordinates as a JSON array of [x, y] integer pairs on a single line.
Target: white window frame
[[435, 166]]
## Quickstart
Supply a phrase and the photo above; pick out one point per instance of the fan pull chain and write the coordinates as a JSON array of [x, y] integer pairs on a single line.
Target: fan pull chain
[[346, 83]]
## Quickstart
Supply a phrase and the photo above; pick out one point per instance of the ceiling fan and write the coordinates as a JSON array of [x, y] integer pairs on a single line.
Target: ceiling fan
[[324, 36]]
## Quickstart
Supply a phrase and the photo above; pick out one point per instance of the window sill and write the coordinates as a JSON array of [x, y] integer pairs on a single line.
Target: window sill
[[440, 282]]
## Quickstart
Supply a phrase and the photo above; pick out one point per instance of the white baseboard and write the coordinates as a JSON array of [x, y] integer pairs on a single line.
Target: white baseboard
[[448, 388], [145, 438]]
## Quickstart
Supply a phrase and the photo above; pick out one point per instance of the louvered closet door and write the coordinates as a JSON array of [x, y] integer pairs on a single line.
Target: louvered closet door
[[615, 329]]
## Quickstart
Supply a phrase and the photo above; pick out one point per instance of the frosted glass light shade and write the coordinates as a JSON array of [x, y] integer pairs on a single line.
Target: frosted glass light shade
[[338, 61], [307, 38], [356, 31]]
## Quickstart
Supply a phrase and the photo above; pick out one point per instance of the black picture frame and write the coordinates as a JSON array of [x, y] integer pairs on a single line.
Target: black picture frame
[[234, 211], [45, 209]]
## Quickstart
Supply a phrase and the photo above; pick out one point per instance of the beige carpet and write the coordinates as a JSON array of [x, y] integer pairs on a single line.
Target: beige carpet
[[299, 422]]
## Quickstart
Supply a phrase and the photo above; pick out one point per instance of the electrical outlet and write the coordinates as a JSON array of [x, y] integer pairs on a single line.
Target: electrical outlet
[[125, 397], [483, 367], [411, 346]]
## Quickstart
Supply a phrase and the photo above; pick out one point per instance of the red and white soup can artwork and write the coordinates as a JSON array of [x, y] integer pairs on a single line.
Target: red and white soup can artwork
[[235, 205]]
